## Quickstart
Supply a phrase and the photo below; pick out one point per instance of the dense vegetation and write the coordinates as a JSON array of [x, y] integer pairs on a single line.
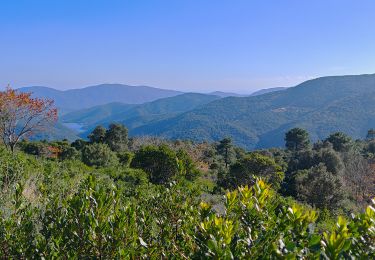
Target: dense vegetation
[[120, 197], [321, 106]]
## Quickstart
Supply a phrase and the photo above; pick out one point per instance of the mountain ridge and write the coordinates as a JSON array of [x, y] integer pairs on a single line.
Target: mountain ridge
[[250, 119], [75, 99], [135, 115]]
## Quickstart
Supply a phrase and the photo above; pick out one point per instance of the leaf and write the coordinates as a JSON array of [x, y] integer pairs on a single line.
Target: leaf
[[143, 243]]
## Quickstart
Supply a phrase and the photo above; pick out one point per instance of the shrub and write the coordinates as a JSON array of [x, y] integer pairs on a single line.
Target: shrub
[[125, 158], [99, 155], [160, 163]]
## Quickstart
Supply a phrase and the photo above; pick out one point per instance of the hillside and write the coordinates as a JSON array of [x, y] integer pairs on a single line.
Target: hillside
[[137, 115], [226, 94], [75, 99], [323, 105], [58, 132], [266, 90], [90, 116]]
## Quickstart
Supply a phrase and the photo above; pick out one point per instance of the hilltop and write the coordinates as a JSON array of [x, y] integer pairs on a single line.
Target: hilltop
[[322, 105], [75, 99]]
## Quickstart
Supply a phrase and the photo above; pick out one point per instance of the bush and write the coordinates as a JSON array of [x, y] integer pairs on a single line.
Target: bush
[[243, 172], [160, 163], [99, 155], [96, 222], [125, 158]]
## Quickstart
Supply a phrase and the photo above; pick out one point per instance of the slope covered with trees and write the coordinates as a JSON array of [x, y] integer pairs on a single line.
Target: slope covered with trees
[[323, 105], [137, 115]]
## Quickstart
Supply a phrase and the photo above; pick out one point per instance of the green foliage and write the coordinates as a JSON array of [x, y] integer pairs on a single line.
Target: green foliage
[[125, 158], [186, 166], [117, 137], [12, 169], [340, 141], [58, 207], [34, 148], [99, 155], [159, 162], [97, 135], [297, 139], [330, 159], [225, 149], [97, 222], [244, 171], [319, 187], [68, 153], [79, 144]]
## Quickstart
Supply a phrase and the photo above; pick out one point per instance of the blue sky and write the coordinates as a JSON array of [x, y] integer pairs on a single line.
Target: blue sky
[[190, 45]]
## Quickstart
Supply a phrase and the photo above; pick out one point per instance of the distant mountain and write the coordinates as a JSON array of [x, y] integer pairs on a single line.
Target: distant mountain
[[137, 115], [93, 115], [226, 94], [74, 99], [267, 90], [322, 106], [256, 93], [58, 132]]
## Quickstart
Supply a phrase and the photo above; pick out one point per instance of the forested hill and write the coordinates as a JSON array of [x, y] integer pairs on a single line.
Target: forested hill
[[136, 115], [323, 105], [74, 99]]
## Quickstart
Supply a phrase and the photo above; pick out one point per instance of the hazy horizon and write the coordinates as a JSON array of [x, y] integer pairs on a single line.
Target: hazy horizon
[[183, 45], [130, 85]]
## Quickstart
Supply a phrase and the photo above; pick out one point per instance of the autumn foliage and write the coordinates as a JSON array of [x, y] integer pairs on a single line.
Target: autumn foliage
[[22, 116]]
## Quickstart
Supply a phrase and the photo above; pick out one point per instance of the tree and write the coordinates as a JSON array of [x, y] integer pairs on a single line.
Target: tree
[[370, 134], [255, 165], [98, 155], [297, 139], [160, 163], [319, 187], [340, 141], [79, 144], [330, 158], [68, 153], [22, 116], [117, 137], [35, 148], [125, 158], [225, 149], [186, 165], [97, 135]]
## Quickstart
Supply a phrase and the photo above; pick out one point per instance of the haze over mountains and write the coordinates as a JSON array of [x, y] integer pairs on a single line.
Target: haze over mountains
[[321, 106], [74, 99]]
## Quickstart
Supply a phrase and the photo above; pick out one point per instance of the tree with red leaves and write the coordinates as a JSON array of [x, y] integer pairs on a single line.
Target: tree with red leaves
[[22, 116]]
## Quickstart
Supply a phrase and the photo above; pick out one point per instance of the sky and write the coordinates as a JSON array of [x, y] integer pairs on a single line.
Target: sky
[[188, 45]]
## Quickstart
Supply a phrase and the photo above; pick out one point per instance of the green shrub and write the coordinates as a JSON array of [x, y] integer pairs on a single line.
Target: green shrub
[[96, 222], [160, 163], [99, 155], [125, 158]]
